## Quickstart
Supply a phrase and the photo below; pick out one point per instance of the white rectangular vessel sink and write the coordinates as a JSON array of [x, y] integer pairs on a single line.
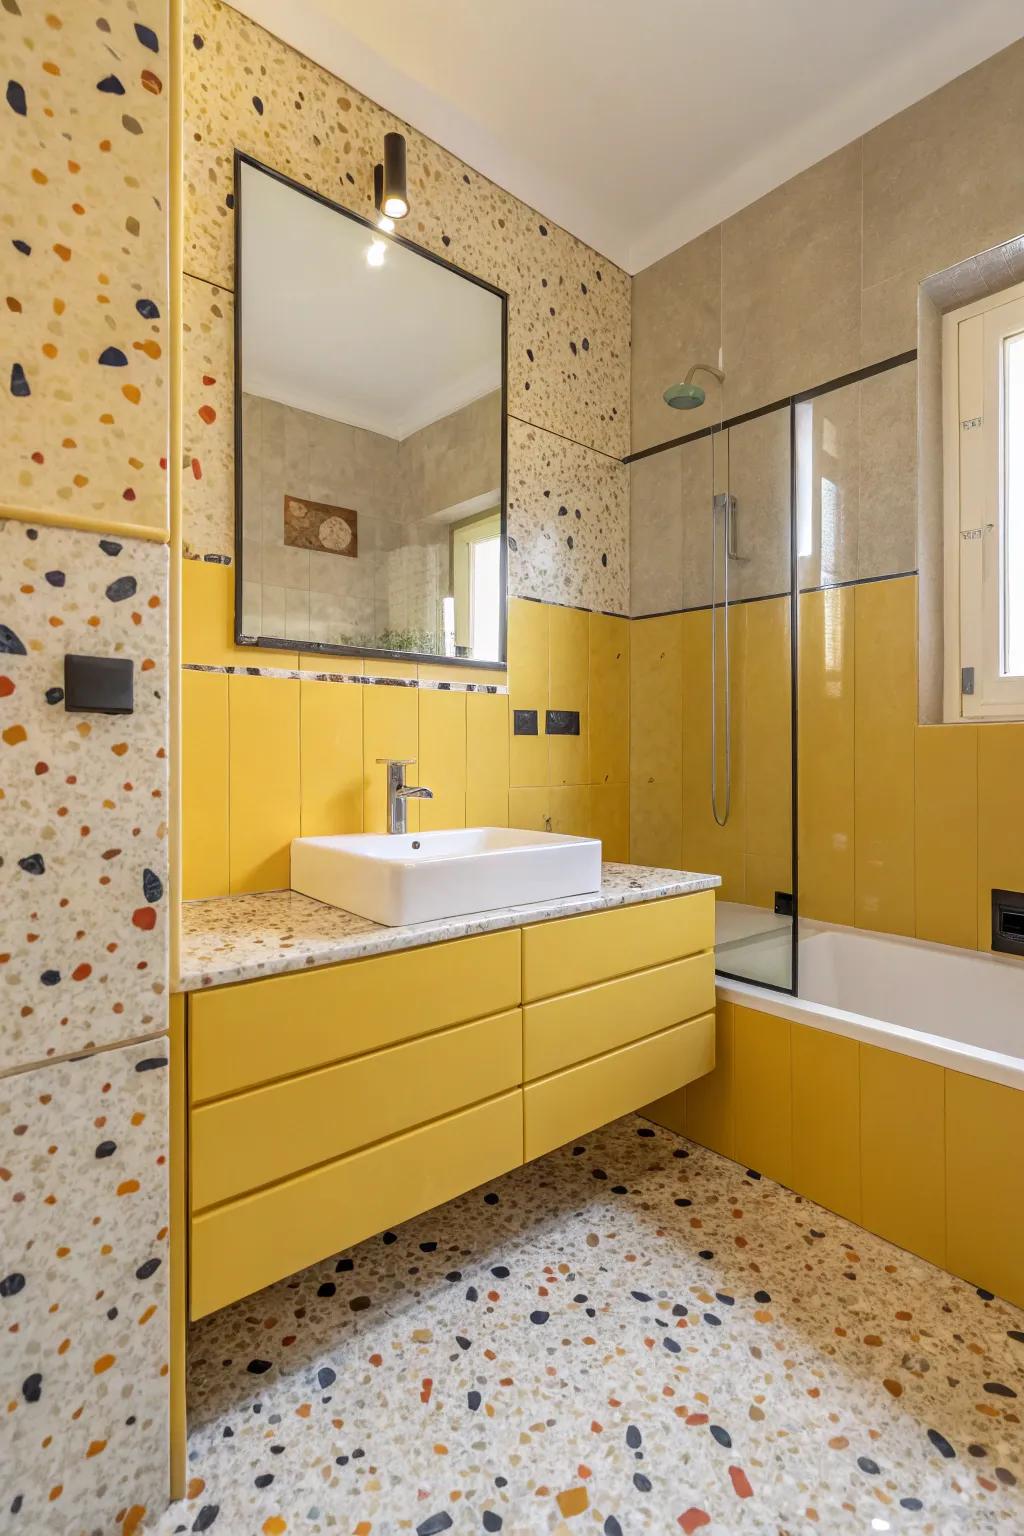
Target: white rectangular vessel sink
[[415, 877]]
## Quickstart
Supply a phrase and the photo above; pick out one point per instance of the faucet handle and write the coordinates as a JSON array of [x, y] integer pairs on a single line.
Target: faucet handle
[[397, 762]]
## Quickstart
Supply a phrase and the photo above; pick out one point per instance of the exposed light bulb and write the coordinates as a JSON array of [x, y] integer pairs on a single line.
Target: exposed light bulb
[[395, 207], [375, 253]]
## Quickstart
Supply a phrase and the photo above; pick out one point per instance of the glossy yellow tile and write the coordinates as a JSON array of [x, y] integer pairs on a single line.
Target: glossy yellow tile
[[1000, 823], [826, 1119], [318, 661], [985, 1184], [902, 1153], [530, 809], [609, 820], [656, 823], [568, 689], [442, 758], [709, 1112], [826, 748], [528, 689], [761, 1093], [331, 757], [656, 741], [487, 749], [446, 672], [946, 834], [390, 729], [204, 784], [264, 780], [706, 845], [767, 739], [208, 620], [570, 809], [609, 699], [376, 667], [885, 713]]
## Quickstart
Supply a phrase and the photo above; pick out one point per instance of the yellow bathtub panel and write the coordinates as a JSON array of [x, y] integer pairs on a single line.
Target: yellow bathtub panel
[[985, 1184], [1000, 823], [761, 1093], [709, 1112], [885, 713], [946, 834], [767, 737], [569, 688], [705, 845], [530, 809], [570, 809], [609, 820], [826, 1119], [264, 780], [609, 699], [204, 784], [442, 758], [902, 1152], [528, 689], [487, 746], [826, 748], [390, 729], [331, 754]]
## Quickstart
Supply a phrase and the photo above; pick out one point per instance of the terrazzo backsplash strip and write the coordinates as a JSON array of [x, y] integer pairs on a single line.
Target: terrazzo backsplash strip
[[569, 308]]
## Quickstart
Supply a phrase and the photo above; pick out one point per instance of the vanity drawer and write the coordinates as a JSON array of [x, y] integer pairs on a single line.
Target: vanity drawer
[[575, 952], [564, 1030], [240, 1247], [260, 1030], [271, 1133], [573, 1102]]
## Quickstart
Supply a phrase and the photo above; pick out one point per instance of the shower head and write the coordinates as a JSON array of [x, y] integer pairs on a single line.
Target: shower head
[[688, 395]]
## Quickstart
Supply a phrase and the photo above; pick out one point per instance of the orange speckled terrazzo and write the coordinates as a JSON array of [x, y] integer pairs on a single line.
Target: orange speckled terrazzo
[[631, 1335]]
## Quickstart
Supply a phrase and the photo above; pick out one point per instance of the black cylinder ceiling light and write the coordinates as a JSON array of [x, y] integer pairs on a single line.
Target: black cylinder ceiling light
[[390, 190]]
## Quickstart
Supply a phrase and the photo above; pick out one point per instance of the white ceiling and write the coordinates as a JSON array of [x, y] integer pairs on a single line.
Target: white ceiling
[[388, 348], [637, 124]]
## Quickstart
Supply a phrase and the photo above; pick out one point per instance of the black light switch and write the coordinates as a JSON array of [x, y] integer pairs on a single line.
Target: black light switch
[[99, 685]]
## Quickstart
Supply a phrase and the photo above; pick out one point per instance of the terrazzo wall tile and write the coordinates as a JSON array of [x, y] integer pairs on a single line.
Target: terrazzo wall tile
[[83, 797], [568, 521], [83, 406], [208, 412], [83, 1293]]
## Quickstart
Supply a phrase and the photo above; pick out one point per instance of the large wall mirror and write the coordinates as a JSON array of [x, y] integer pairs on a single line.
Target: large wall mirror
[[370, 437]]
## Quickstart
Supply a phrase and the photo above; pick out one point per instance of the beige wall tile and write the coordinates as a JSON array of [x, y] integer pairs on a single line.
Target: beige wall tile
[[888, 317], [791, 284], [656, 533], [676, 322], [887, 541], [699, 463], [758, 477], [937, 180], [828, 486]]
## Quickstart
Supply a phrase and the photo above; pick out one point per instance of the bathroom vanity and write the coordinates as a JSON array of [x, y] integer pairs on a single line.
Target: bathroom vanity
[[343, 1077]]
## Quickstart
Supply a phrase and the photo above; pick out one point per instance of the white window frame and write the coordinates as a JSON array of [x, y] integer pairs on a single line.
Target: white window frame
[[974, 469]]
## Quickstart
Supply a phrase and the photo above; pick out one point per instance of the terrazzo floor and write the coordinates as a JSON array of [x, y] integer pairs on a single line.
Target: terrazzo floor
[[632, 1334]]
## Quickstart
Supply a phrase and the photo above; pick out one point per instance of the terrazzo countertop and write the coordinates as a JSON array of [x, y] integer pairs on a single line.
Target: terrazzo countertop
[[240, 938]]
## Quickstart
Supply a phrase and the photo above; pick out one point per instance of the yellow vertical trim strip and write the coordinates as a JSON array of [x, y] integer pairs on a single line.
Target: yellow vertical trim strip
[[178, 1439], [44, 518]]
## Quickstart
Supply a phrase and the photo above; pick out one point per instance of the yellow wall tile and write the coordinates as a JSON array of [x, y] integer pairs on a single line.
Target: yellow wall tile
[[709, 1115], [946, 836], [568, 688], [885, 713], [208, 621], [264, 780], [445, 672], [570, 809], [442, 758], [761, 1093], [1000, 823], [528, 688], [767, 751], [609, 699], [487, 748], [390, 729], [609, 820], [530, 809], [706, 845], [318, 661], [656, 741], [985, 1184], [902, 1155], [826, 1119], [377, 667], [331, 755], [826, 747], [204, 784]]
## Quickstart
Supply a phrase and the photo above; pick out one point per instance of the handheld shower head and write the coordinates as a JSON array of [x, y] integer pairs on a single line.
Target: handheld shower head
[[687, 396]]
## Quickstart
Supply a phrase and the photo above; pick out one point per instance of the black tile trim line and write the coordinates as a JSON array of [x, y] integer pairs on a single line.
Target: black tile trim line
[[549, 602], [767, 597], [524, 422], [800, 398]]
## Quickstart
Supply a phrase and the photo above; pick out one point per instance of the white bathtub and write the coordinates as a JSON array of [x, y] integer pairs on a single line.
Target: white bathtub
[[954, 1007]]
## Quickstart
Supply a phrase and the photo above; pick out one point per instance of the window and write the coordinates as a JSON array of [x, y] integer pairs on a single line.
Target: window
[[983, 383], [476, 585]]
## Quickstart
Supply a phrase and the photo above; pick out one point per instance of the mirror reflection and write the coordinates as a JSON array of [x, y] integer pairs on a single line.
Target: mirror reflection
[[371, 417]]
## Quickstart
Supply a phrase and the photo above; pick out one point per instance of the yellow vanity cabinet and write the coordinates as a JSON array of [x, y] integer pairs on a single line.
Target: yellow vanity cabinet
[[326, 1105]]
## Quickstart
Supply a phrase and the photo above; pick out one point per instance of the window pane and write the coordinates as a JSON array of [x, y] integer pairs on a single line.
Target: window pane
[[1013, 507], [485, 602]]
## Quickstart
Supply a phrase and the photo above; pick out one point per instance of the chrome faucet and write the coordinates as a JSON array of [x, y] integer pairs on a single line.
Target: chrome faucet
[[399, 793]]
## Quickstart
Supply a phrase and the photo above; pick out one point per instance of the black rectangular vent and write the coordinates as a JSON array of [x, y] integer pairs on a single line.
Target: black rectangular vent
[[1008, 922], [524, 722], [100, 685], [562, 722]]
